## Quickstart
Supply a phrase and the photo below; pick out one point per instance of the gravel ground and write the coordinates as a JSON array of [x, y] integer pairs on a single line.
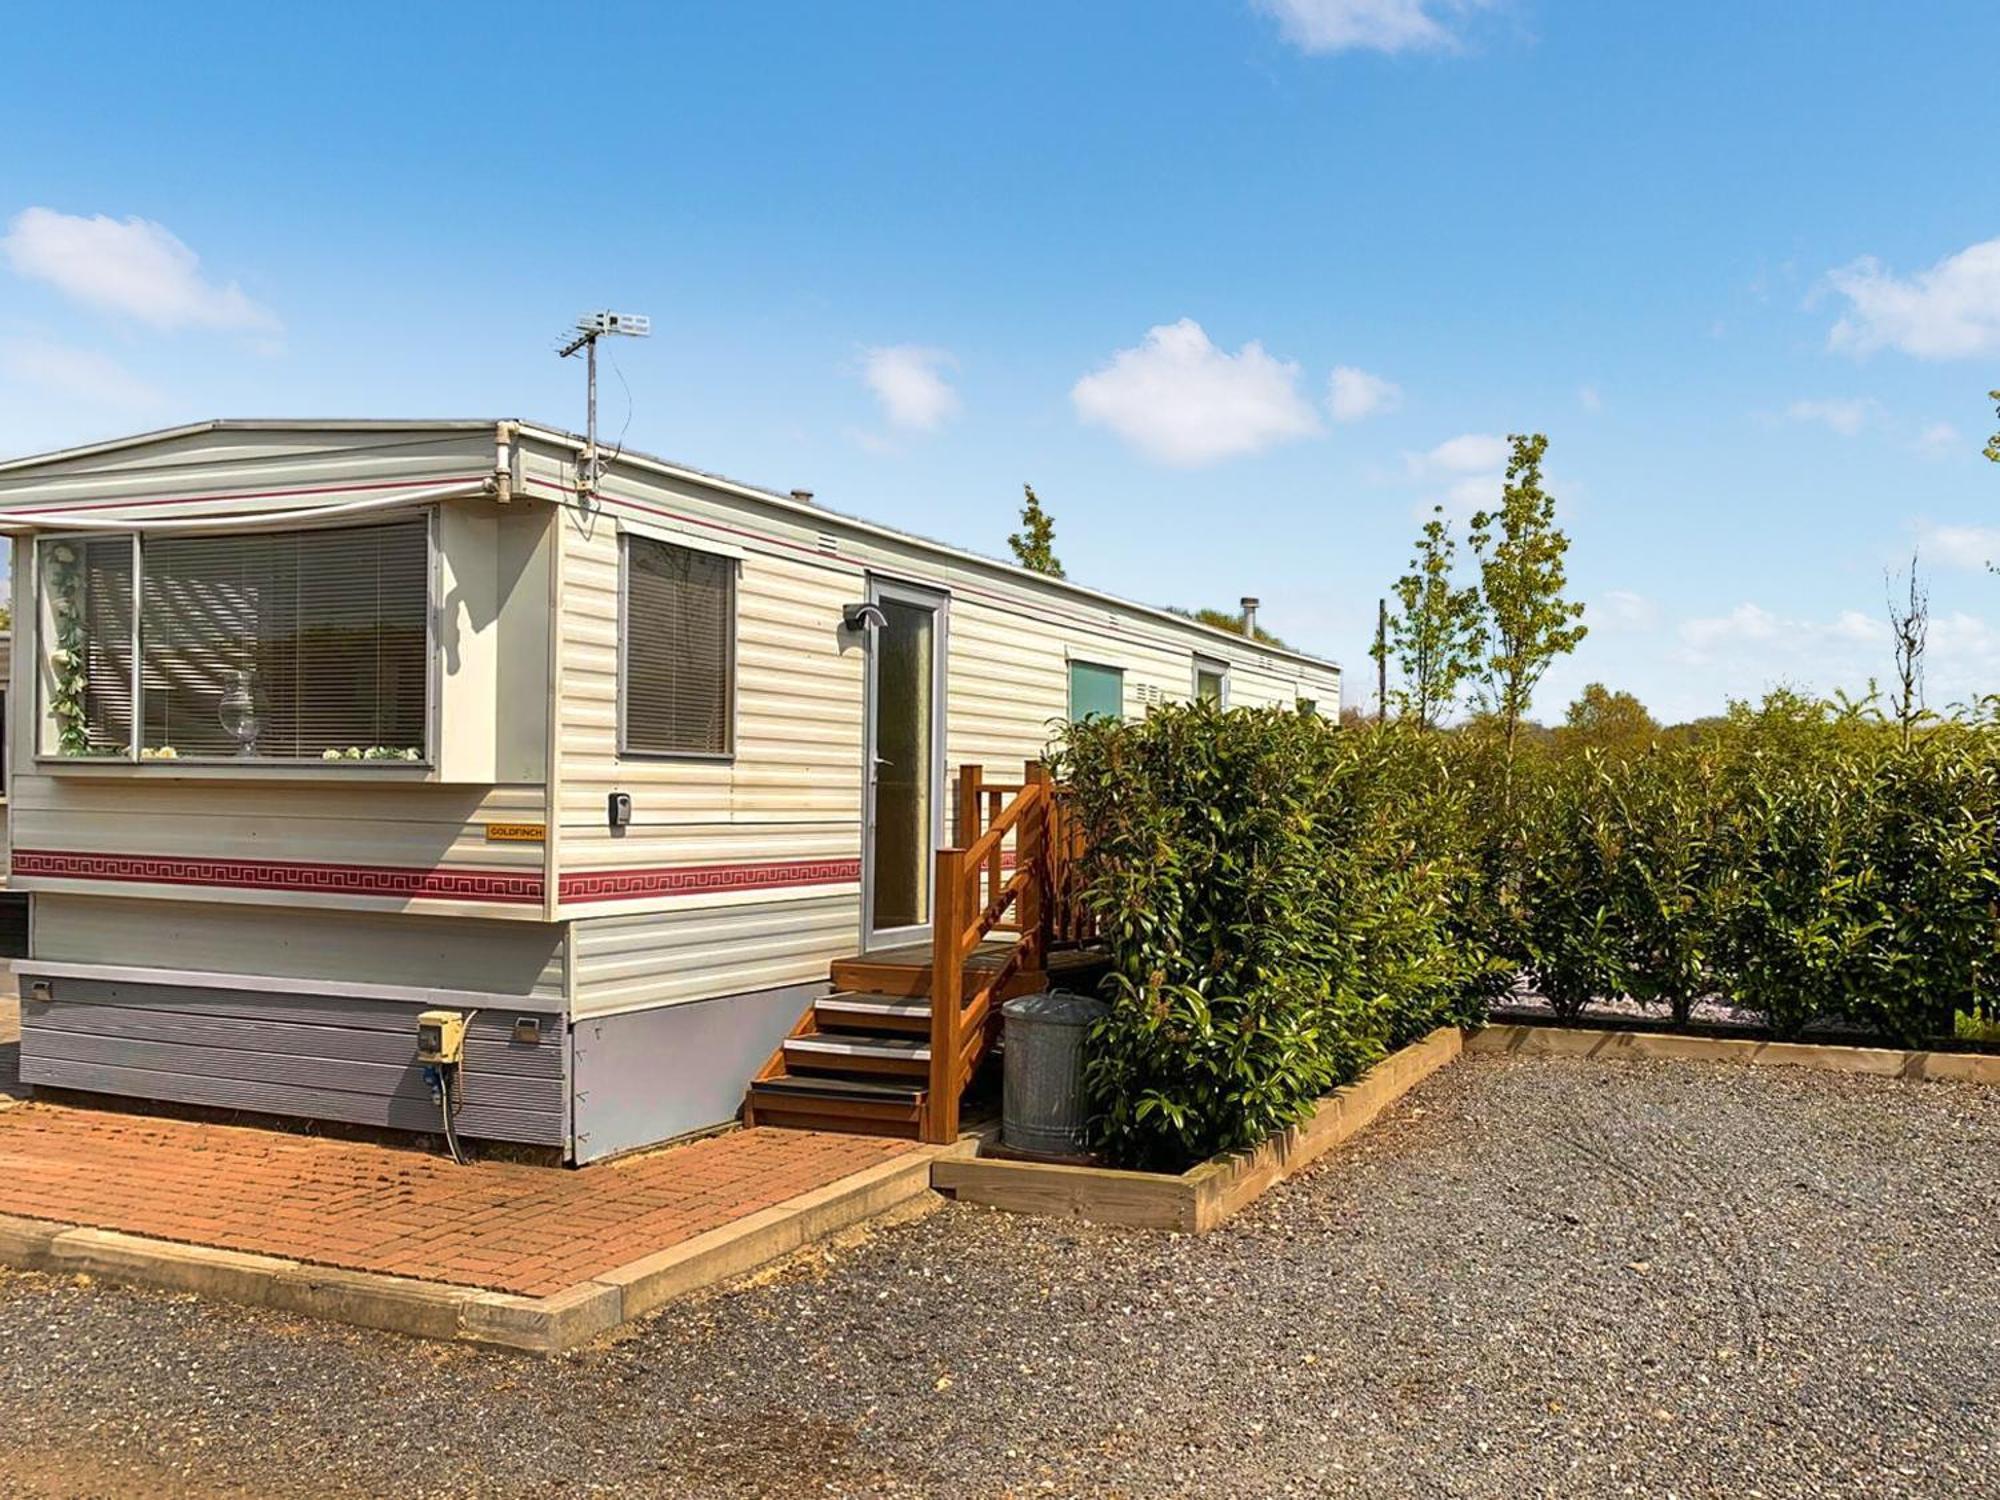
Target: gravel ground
[[1536, 1277]]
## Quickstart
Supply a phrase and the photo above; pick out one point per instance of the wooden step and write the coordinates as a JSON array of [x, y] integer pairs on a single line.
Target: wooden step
[[833, 1052], [852, 1105], [912, 981], [875, 1013]]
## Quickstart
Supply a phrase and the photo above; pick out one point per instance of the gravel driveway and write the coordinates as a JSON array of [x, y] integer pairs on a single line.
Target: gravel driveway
[[1536, 1277]]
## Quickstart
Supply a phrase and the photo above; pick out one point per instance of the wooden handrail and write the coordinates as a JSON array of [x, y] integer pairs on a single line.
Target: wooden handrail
[[963, 915]]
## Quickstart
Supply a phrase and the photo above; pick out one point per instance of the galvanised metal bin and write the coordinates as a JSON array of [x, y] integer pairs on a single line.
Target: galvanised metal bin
[[1043, 1109]]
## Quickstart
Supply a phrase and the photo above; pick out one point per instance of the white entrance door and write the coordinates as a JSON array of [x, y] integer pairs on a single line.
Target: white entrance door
[[903, 813]]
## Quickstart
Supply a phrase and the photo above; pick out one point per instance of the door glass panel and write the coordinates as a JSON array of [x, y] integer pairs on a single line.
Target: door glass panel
[[904, 712]]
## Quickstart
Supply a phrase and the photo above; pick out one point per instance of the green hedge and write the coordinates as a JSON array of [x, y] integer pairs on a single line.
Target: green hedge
[[1280, 900], [1286, 901]]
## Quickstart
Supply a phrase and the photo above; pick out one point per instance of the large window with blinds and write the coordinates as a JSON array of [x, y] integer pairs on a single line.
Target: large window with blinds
[[268, 646], [677, 650]]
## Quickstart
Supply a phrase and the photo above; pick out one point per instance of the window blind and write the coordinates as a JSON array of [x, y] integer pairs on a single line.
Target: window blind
[[677, 642], [286, 645]]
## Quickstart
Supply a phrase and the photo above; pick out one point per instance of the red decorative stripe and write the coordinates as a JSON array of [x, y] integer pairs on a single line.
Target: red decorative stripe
[[691, 880], [518, 887], [286, 875]]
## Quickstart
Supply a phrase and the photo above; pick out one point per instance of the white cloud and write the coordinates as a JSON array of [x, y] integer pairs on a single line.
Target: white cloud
[[909, 380], [1353, 394], [1373, 25], [1968, 547], [1589, 399], [1624, 610], [1938, 438], [1179, 399], [132, 267], [1469, 453], [1845, 417], [75, 374], [1951, 311], [1780, 641], [1471, 468]]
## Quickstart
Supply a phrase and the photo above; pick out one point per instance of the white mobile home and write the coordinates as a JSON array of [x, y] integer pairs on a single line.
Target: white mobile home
[[321, 725]]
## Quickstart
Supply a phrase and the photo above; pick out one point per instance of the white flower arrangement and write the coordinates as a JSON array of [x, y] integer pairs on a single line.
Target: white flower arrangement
[[373, 752]]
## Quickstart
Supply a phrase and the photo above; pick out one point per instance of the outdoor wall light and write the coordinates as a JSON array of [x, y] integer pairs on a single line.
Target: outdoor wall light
[[862, 616]]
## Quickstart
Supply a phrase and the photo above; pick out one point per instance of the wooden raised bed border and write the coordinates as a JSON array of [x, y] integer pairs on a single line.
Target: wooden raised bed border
[[1541, 1040], [1200, 1198]]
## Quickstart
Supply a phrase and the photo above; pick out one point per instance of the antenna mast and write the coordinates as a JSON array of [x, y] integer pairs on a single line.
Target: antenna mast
[[589, 329]]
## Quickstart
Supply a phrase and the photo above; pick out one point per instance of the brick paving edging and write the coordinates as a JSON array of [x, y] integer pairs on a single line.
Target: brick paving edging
[[498, 1226], [539, 1325]]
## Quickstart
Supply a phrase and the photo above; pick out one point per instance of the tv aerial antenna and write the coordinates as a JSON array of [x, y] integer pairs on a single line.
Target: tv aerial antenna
[[589, 329]]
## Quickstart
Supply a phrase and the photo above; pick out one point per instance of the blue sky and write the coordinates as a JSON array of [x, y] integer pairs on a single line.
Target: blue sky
[[1740, 262]]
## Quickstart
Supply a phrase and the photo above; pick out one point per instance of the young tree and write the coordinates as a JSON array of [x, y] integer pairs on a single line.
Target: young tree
[[1034, 544], [1436, 637], [1910, 627], [1993, 443], [1615, 723], [1528, 622]]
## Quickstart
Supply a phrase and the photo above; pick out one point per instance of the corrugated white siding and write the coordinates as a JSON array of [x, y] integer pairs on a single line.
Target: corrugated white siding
[[214, 835], [357, 947], [792, 791], [793, 787], [357, 834], [223, 471], [694, 953]]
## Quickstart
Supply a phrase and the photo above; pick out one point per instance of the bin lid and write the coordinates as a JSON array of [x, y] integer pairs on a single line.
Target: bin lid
[[1055, 1008]]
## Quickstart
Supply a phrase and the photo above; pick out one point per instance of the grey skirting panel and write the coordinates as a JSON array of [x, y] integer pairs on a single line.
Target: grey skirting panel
[[646, 1076], [321, 1057]]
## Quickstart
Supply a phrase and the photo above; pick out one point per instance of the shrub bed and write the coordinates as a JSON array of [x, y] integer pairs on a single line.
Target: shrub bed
[[1286, 901]]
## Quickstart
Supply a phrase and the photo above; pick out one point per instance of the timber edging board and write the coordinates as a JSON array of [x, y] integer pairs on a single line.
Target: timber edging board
[[1197, 1200], [1584, 1041], [435, 1310]]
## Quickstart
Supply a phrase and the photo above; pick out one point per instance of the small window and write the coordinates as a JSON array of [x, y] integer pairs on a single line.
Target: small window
[[1211, 681], [678, 648], [1096, 691]]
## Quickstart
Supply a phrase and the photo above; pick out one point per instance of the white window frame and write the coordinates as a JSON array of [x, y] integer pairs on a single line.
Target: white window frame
[[253, 764], [1074, 661], [1212, 666], [690, 542]]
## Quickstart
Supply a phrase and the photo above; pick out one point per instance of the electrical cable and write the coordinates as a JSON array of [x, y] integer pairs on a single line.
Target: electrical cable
[[447, 1107]]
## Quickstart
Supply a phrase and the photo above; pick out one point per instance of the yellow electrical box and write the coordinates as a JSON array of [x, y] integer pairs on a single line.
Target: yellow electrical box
[[441, 1036]]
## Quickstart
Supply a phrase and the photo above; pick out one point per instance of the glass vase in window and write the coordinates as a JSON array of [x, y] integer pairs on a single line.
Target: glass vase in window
[[241, 714]]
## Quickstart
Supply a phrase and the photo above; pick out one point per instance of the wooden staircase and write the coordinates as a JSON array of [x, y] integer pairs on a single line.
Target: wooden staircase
[[892, 1051]]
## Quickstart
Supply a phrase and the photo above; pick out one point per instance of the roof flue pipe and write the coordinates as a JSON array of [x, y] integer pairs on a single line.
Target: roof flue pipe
[[1250, 616]]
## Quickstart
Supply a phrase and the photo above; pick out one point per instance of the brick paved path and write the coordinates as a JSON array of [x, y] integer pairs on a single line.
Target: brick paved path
[[497, 1225]]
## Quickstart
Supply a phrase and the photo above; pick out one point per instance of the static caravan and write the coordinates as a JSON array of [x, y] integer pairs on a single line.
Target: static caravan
[[320, 727]]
